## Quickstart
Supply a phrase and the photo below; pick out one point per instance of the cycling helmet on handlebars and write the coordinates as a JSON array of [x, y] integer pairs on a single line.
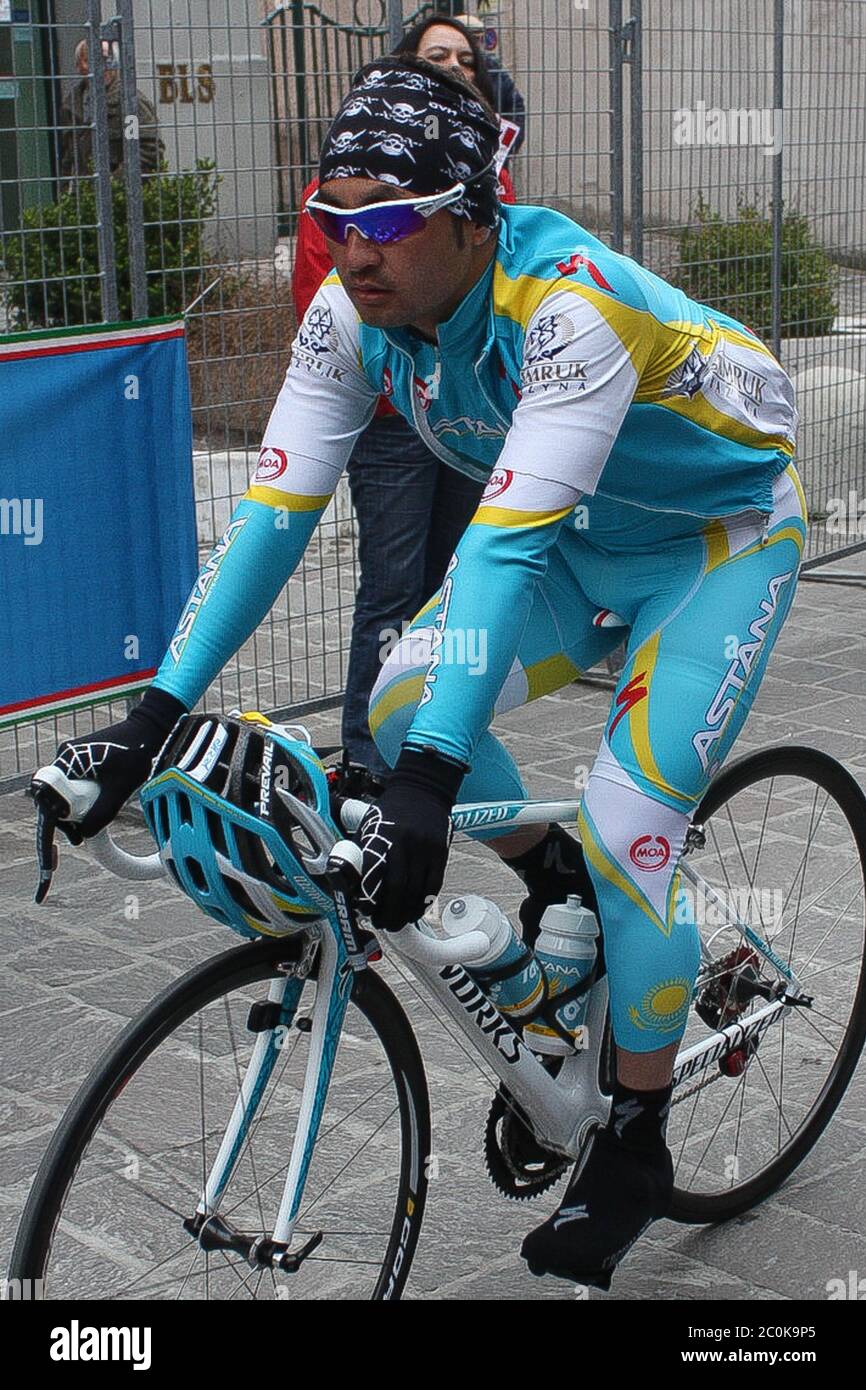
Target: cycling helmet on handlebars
[[225, 832]]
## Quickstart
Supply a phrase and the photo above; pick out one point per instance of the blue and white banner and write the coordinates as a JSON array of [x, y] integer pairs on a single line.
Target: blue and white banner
[[97, 513]]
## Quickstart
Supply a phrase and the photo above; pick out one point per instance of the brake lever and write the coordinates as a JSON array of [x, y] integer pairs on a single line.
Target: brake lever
[[51, 808]]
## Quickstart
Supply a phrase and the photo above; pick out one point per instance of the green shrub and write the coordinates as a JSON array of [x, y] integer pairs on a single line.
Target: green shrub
[[52, 264], [728, 265]]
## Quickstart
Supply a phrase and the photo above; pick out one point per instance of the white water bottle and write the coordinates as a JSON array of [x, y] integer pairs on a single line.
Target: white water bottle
[[508, 973], [566, 952]]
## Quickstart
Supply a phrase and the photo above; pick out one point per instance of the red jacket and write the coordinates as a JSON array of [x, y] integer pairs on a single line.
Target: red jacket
[[313, 260]]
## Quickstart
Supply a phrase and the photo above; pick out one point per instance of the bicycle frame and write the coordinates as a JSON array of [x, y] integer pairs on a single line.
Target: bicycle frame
[[562, 1109]]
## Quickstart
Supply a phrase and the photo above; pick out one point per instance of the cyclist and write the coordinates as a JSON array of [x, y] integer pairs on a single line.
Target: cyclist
[[639, 448]]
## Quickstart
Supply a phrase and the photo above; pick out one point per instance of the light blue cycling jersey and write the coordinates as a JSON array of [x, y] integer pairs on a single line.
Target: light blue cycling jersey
[[631, 439], [568, 372]]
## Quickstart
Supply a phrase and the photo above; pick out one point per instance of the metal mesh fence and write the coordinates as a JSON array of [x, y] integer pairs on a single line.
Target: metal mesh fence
[[646, 120]]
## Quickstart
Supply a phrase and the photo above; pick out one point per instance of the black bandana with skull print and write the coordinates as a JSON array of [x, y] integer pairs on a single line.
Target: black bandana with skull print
[[401, 124]]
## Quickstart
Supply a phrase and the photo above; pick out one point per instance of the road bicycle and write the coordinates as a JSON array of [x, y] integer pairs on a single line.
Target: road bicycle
[[263, 1128]]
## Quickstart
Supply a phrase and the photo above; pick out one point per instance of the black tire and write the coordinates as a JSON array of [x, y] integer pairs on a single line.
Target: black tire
[[825, 773], [181, 1001]]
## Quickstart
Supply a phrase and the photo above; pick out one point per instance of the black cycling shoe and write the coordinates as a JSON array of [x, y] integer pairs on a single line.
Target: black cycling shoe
[[613, 1196]]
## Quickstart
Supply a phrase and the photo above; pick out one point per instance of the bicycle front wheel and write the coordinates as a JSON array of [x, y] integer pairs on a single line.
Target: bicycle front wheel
[[128, 1163], [785, 855]]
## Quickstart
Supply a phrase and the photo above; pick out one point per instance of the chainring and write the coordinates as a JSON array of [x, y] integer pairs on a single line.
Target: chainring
[[518, 1166]]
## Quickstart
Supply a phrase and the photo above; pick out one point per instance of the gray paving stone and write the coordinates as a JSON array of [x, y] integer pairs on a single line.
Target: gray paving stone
[[76, 968]]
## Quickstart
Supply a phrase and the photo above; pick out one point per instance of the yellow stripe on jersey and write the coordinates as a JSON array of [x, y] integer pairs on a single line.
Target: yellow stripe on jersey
[[507, 516], [289, 501], [732, 335], [699, 411], [405, 691], [638, 722], [791, 472], [548, 675], [428, 608], [718, 546]]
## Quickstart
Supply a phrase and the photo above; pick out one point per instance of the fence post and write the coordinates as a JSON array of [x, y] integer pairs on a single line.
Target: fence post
[[777, 210], [102, 166], [634, 56], [616, 125], [132, 160], [395, 22]]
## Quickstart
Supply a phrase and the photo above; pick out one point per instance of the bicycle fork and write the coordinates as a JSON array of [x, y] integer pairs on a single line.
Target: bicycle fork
[[272, 1021]]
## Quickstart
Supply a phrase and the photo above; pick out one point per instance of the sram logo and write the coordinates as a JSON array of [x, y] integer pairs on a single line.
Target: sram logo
[[649, 852]]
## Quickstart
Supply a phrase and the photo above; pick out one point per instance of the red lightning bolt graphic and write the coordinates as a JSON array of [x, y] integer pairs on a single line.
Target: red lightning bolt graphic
[[628, 697], [569, 267]]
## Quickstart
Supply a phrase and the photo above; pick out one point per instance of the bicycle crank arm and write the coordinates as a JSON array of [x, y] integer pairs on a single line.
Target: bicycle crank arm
[[215, 1233]]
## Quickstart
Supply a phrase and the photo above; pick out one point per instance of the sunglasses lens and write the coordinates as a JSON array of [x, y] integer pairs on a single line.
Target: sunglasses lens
[[381, 225]]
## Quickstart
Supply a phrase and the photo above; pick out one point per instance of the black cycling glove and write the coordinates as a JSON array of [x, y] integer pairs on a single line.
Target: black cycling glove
[[119, 758], [405, 837]]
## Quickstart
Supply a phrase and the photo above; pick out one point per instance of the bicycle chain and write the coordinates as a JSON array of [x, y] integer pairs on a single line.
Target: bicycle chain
[[698, 1086]]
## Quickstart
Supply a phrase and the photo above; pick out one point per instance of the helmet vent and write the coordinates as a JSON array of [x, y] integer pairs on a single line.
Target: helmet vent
[[241, 897], [217, 834], [184, 809], [196, 873], [161, 818]]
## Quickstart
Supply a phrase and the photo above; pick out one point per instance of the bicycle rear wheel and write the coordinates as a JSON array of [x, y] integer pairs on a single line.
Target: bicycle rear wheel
[[785, 849], [128, 1162]]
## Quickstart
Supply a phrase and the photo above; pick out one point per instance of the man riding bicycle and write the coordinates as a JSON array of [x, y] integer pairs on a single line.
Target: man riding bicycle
[[639, 452]]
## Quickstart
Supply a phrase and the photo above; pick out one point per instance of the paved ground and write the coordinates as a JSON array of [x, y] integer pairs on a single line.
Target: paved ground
[[76, 969]]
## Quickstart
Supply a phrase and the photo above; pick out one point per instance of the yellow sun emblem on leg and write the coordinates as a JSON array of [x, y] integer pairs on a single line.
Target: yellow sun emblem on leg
[[664, 1008]]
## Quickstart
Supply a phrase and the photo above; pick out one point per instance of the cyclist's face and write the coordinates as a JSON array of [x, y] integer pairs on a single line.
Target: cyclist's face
[[447, 48], [419, 280]]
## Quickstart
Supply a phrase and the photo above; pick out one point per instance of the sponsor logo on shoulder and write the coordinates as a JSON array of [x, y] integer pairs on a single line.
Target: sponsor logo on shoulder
[[549, 336], [499, 481], [316, 365], [736, 382], [560, 374], [272, 464], [688, 378], [317, 332]]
